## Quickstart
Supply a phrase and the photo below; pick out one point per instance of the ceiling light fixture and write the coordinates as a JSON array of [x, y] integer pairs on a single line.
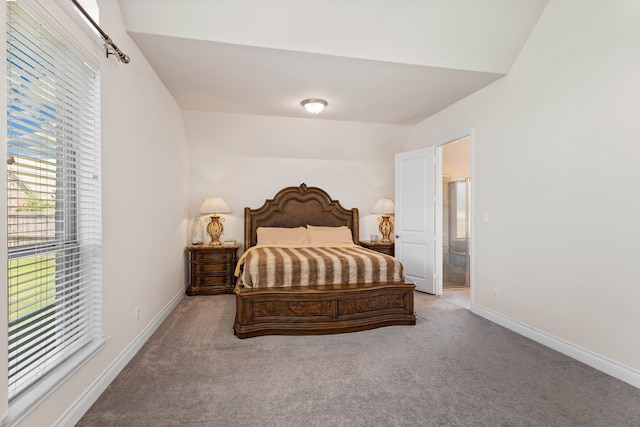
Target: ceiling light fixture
[[314, 105]]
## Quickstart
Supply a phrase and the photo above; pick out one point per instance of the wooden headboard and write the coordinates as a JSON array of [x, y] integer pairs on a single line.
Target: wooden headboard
[[298, 206]]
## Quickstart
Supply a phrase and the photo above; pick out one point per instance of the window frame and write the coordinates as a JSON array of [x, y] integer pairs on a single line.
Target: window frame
[[56, 18]]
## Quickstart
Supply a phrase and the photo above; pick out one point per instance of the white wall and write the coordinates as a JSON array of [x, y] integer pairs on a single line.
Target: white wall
[[556, 158], [145, 210], [246, 159], [456, 158]]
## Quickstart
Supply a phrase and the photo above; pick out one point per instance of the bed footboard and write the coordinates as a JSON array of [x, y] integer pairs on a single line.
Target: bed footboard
[[322, 309]]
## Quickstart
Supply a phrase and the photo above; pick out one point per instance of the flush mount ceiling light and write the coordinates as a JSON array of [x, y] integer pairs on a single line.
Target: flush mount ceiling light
[[314, 105]]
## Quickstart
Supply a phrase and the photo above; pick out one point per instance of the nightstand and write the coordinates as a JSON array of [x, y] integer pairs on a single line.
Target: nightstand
[[211, 269], [385, 248]]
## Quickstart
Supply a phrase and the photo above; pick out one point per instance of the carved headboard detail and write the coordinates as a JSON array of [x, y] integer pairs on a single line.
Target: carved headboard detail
[[298, 206]]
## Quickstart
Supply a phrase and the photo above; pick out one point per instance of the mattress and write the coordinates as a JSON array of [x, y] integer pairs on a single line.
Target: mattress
[[286, 265]]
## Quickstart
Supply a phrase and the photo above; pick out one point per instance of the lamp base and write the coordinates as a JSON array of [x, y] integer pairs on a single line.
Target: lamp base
[[386, 228], [215, 229]]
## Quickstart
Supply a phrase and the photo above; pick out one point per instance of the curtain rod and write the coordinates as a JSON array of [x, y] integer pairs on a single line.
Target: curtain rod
[[109, 45]]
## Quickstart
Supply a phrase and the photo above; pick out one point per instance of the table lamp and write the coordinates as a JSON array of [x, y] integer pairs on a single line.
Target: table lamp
[[212, 206], [386, 207]]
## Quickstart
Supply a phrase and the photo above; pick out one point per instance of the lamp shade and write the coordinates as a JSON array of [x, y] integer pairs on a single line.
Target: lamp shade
[[384, 206], [214, 204]]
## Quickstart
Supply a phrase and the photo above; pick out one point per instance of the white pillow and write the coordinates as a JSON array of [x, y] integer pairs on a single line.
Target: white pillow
[[281, 235]]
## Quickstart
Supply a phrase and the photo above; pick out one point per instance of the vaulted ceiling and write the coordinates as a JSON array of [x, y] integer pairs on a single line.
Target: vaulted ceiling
[[379, 61]]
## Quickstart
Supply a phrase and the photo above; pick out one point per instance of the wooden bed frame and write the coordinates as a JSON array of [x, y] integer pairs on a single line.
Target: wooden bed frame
[[320, 309]]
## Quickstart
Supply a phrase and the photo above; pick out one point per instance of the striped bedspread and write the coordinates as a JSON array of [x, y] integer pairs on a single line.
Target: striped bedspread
[[277, 266]]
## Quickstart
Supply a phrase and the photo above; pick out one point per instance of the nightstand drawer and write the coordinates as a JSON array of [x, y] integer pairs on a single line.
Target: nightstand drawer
[[213, 280], [211, 267], [383, 248], [213, 256]]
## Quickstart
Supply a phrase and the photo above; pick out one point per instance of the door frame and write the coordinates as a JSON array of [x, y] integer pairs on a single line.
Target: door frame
[[439, 212]]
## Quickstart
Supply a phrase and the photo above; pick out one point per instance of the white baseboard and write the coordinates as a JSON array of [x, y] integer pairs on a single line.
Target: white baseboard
[[616, 370], [82, 405]]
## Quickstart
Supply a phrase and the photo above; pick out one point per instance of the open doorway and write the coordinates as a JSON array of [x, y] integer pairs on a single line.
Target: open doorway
[[456, 255]]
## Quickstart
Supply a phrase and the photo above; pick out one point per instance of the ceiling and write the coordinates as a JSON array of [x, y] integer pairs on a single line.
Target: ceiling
[[373, 61]]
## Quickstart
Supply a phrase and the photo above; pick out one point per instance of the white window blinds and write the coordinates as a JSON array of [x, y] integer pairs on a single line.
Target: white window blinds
[[54, 205]]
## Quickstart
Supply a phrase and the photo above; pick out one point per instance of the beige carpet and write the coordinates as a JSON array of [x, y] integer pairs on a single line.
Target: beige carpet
[[459, 296], [452, 368]]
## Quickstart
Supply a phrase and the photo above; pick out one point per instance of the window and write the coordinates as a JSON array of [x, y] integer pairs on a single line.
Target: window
[[54, 207], [460, 209], [458, 215]]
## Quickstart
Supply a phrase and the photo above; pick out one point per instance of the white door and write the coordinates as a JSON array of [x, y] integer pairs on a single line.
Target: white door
[[416, 220]]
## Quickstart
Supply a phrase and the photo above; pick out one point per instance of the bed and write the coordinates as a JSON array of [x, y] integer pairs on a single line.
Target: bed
[[347, 304]]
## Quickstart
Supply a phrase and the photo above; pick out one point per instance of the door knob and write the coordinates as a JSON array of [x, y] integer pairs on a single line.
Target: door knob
[[397, 236]]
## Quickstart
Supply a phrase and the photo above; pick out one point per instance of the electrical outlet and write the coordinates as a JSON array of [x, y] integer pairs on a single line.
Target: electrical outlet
[[136, 312], [495, 293]]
